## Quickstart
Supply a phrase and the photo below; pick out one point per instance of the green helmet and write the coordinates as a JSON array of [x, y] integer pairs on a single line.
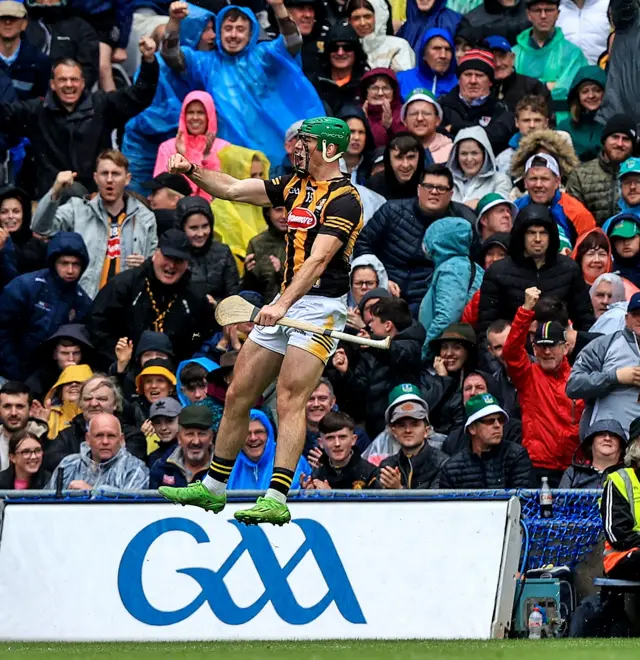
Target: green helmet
[[328, 130]]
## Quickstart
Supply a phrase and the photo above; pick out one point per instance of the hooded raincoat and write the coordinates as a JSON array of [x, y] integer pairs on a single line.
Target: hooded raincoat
[[243, 101], [418, 22], [423, 75], [213, 268], [63, 412], [145, 133], [557, 61], [247, 475], [122, 472], [585, 133], [487, 180], [33, 306], [206, 363], [382, 134], [382, 49], [455, 279], [236, 222], [198, 149]]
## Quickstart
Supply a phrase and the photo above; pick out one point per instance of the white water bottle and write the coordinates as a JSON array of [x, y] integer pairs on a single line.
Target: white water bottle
[[535, 623]]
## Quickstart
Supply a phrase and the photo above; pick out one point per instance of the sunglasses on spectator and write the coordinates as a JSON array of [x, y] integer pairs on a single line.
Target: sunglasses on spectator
[[492, 421], [347, 48], [430, 187]]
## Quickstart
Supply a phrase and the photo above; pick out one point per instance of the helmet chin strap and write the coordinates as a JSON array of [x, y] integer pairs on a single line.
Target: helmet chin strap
[[329, 159]]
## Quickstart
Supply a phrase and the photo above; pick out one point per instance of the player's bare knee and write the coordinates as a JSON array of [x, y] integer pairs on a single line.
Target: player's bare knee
[[289, 402]]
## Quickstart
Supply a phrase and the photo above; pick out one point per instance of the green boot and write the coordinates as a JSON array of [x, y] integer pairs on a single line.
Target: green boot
[[196, 495], [266, 510]]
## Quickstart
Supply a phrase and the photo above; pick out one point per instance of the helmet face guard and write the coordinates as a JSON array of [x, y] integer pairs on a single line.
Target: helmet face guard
[[326, 130]]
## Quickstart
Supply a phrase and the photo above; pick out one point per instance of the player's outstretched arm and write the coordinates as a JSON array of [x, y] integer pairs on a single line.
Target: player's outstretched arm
[[218, 184]]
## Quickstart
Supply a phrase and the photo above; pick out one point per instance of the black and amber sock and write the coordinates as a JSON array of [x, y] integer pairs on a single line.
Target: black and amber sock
[[281, 480], [220, 469]]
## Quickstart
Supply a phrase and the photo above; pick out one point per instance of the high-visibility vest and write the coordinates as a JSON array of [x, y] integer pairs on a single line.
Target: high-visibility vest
[[626, 482]]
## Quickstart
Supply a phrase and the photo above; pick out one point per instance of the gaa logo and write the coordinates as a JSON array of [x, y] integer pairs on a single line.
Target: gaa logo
[[300, 218]]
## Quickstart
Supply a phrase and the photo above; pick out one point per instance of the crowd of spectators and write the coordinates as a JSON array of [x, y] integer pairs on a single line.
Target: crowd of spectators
[[494, 145]]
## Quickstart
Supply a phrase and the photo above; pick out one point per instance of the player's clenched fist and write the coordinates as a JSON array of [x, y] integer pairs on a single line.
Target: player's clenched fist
[[178, 164]]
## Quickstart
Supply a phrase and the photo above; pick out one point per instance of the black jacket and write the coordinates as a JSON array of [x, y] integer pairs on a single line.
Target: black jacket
[[61, 35], [29, 71], [584, 475], [421, 471], [68, 442], [376, 372], [385, 183], [334, 97], [394, 234], [517, 86], [38, 481], [492, 18], [505, 281], [213, 268], [443, 395], [617, 518], [65, 140], [458, 440], [123, 308], [355, 475], [493, 115], [506, 466]]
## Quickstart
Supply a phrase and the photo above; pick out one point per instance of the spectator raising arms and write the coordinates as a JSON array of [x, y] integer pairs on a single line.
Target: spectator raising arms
[[549, 417]]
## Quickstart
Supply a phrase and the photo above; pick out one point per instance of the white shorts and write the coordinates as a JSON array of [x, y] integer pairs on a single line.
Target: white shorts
[[319, 310]]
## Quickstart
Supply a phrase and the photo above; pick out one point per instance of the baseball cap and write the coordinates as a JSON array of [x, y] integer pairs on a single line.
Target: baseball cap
[[549, 162], [13, 9], [499, 238], [624, 228], [167, 407], [199, 417], [165, 180], [630, 166], [411, 409], [292, 131], [420, 95], [634, 303], [496, 42], [174, 244], [549, 334], [482, 405], [405, 394]]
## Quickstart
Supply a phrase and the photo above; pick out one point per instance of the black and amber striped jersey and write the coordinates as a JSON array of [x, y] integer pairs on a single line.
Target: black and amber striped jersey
[[318, 207]]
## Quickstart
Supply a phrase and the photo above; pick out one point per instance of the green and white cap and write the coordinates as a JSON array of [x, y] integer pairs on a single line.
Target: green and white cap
[[406, 401], [421, 95], [492, 200], [482, 405]]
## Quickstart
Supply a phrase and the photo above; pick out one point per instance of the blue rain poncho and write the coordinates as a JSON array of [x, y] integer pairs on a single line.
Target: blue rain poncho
[[159, 122], [258, 93], [247, 475]]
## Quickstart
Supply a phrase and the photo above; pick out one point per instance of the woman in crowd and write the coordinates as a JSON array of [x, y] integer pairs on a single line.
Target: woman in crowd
[[213, 268], [456, 353], [63, 398], [600, 453], [367, 273], [156, 381], [585, 98], [473, 165], [197, 138], [15, 218], [369, 19], [25, 471], [382, 104], [455, 279]]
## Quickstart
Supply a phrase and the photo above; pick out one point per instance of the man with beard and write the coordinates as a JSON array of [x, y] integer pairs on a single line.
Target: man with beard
[[324, 220], [189, 461], [15, 402], [119, 231], [159, 296]]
